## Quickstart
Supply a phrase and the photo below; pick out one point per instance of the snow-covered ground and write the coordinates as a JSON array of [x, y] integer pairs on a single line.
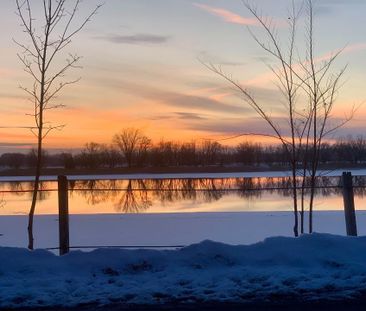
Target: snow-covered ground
[[329, 173], [167, 229], [317, 266]]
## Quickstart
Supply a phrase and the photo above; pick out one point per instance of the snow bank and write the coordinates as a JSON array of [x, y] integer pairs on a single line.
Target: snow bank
[[311, 267]]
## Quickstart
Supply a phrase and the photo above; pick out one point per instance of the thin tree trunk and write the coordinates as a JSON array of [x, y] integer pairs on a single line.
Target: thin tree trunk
[[39, 121], [313, 173], [313, 185], [294, 195], [35, 194], [302, 212], [311, 203]]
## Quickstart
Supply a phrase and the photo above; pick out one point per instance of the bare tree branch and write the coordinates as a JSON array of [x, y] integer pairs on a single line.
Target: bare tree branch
[[38, 60]]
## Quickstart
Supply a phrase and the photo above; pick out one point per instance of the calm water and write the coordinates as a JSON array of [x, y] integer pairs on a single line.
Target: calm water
[[173, 195]]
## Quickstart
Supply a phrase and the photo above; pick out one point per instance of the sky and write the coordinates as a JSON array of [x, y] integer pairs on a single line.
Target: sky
[[142, 67]]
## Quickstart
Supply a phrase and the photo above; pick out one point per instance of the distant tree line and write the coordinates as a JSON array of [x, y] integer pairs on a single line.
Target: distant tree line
[[131, 148]]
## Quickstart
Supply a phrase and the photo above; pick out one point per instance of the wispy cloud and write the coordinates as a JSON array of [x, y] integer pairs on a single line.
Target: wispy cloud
[[231, 126], [199, 102], [189, 116], [355, 47], [160, 94], [352, 48], [226, 15], [259, 84], [326, 7], [137, 39], [268, 76], [342, 2], [9, 144]]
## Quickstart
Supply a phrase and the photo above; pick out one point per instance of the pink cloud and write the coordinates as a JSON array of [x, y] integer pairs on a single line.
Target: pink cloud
[[268, 76], [226, 15], [348, 49], [5, 72]]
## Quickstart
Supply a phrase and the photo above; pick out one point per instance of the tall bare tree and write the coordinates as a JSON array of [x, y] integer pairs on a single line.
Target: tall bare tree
[[50, 25], [308, 89], [321, 87], [133, 145]]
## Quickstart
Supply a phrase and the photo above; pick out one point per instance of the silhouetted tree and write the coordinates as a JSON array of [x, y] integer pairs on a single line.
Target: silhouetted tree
[[209, 152], [49, 34], [31, 158], [110, 156], [248, 153], [308, 90], [13, 160], [188, 154], [165, 153], [91, 156], [68, 160], [133, 145]]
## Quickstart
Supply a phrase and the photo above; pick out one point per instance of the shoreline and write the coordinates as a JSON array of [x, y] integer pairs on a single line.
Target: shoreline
[[169, 170], [51, 175]]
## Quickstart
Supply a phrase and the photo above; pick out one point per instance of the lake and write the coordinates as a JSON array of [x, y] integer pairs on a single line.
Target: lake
[[186, 195], [175, 211]]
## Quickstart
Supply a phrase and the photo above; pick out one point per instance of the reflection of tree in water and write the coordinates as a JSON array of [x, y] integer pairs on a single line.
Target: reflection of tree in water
[[359, 183], [216, 189], [21, 188], [42, 194], [198, 190], [325, 186], [17, 188], [133, 196], [96, 191], [2, 200], [129, 196], [247, 187]]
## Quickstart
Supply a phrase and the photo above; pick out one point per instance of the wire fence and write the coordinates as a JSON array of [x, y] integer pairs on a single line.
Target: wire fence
[[63, 189]]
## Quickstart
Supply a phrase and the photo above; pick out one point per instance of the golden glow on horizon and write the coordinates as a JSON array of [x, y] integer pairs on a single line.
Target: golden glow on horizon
[[159, 86], [83, 125]]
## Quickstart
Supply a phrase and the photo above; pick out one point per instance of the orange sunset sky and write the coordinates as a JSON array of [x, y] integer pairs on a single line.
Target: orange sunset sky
[[141, 69]]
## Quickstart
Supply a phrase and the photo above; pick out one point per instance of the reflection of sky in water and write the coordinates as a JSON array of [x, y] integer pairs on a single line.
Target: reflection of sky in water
[[204, 195]]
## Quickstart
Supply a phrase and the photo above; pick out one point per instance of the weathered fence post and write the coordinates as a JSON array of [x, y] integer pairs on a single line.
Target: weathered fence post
[[349, 204], [63, 213]]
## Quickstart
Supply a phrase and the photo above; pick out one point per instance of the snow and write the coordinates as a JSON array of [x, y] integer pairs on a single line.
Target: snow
[[329, 173], [318, 266], [167, 229]]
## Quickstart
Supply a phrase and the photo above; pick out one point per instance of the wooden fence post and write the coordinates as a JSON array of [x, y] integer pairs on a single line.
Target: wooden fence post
[[63, 214], [349, 204]]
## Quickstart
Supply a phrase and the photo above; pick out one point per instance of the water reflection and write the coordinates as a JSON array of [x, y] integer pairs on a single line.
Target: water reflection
[[2, 201], [24, 189], [134, 196]]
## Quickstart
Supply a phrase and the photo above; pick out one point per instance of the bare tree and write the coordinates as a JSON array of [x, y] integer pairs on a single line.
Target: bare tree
[[209, 152], [91, 156], [248, 153], [133, 145], [321, 87], [50, 25], [308, 89]]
